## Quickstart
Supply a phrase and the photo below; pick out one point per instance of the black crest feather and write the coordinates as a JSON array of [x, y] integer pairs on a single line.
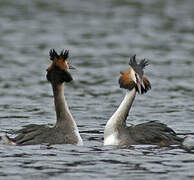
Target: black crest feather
[[53, 54], [64, 54], [138, 67], [132, 61], [143, 63]]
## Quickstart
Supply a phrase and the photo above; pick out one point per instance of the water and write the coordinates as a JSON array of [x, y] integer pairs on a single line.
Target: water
[[101, 35]]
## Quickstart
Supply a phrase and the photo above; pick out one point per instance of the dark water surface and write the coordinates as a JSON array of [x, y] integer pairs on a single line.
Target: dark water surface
[[101, 35]]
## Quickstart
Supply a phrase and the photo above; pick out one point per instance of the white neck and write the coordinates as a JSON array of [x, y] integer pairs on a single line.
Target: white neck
[[65, 119], [118, 119]]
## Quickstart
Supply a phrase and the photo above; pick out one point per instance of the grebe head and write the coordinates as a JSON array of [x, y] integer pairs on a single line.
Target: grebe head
[[134, 77], [58, 72]]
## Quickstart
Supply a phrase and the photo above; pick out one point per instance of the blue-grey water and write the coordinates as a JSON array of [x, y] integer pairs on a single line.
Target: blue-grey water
[[101, 36]]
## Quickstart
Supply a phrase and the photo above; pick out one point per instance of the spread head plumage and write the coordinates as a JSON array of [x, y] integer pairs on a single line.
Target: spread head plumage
[[138, 67], [132, 61], [63, 55], [143, 63]]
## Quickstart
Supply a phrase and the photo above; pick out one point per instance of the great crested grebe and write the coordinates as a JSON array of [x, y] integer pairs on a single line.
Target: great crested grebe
[[116, 131], [65, 130]]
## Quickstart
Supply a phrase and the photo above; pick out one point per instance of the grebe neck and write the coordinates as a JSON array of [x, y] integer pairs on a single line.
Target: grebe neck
[[118, 119], [64, 117]]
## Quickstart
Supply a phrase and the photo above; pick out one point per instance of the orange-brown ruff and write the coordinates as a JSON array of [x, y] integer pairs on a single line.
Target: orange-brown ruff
[[126, 82], [116, 131], [65, 130]]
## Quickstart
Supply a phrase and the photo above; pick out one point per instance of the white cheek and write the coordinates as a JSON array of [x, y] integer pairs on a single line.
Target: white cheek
[[67, 65], [133, 76]]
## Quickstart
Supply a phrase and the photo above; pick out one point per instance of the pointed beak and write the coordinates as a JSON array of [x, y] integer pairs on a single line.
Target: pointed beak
[[71, 67], [139, 86]]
